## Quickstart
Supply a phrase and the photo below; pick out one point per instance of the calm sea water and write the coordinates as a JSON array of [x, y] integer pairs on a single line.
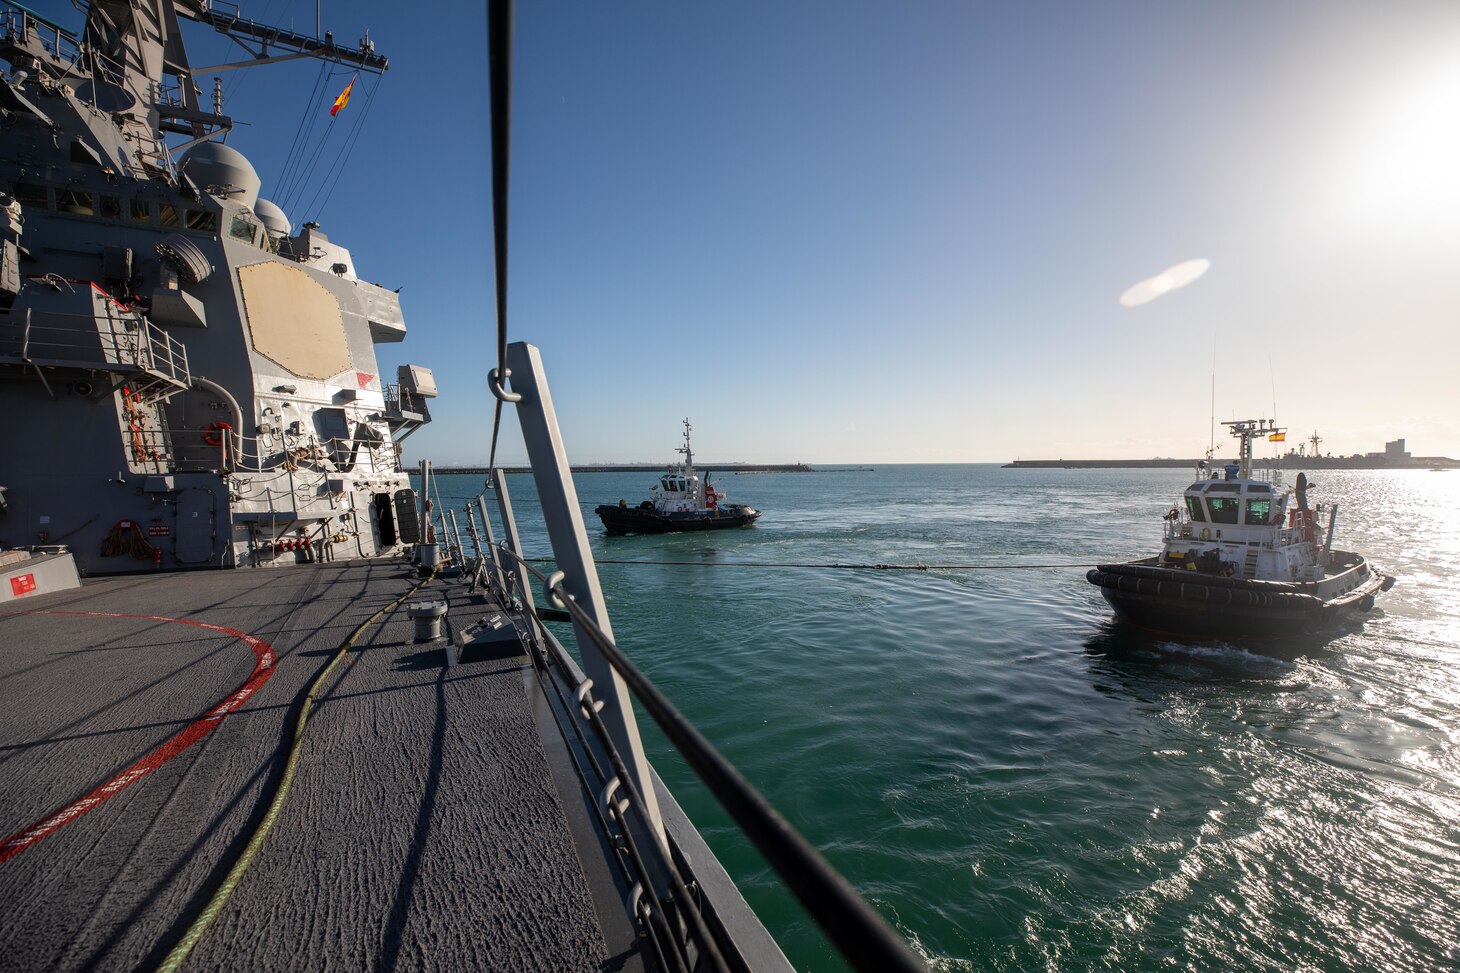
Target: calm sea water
[[1015, 782]]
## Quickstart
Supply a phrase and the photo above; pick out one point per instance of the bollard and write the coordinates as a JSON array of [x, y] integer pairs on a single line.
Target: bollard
[[428, 616], [428, 558]]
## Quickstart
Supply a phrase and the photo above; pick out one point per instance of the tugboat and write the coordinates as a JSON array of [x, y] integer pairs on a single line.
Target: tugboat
[[680, 502], [1243, 556]]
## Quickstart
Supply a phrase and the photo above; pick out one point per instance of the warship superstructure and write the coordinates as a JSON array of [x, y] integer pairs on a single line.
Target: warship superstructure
[[191, 382]]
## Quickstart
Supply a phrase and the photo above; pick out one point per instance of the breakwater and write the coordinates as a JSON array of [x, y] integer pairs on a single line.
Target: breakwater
[[645, 468], [1294, 462]]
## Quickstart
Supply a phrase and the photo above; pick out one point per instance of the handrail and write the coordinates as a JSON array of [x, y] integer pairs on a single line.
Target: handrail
[[863, 937], [129, 339]]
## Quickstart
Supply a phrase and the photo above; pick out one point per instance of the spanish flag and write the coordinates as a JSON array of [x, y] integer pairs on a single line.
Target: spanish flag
[[344, 98], [1278, 437]]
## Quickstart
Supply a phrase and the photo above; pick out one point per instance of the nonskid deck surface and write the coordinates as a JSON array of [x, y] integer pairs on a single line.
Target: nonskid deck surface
[[422, 831]]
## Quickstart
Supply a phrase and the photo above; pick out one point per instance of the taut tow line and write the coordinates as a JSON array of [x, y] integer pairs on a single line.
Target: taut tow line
[[836, 565]]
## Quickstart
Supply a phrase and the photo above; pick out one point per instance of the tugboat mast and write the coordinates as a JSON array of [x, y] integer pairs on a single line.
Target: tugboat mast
[[689, 458], [1246, 430]]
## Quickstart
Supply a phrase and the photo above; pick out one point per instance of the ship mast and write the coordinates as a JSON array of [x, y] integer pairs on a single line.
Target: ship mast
[[134, 47], [689, 459], [1246, 430]]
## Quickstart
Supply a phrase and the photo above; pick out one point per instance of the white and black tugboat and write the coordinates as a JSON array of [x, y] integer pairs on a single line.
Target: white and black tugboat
[[680, 502], [1243, 556]]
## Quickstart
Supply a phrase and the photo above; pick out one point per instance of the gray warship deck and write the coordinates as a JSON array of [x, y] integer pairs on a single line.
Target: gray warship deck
[[423, 830]]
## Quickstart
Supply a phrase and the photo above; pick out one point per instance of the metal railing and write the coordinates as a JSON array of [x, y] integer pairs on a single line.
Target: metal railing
[[119, 342], [55, 40], [220, 447], [399, 401], [594, 708]]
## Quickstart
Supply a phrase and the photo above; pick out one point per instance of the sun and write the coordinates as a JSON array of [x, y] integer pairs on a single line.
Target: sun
[[1393, 163]]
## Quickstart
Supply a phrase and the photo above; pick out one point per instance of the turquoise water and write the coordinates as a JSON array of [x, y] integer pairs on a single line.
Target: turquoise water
[[1015, 782]]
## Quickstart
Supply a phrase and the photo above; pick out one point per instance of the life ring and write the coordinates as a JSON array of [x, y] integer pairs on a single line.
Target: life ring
[[211, 434], [1173, 514], [1206, 533]]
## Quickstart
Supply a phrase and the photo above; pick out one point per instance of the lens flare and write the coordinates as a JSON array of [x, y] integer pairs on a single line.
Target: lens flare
[[1170, 279]]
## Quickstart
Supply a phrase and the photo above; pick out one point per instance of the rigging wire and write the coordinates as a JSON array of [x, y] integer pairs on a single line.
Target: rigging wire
[[499, 57], [290, 160], [343, 156], [306, 175]]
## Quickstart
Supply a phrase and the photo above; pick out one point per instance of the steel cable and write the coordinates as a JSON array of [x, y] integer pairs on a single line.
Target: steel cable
[[342, 157], [833, 565], [499, 56], [290, 159]]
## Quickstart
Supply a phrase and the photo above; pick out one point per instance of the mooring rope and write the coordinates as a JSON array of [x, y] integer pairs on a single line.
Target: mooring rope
[[220, 898]]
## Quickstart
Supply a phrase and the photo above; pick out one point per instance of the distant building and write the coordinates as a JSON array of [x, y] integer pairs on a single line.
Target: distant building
[[1394, 452]]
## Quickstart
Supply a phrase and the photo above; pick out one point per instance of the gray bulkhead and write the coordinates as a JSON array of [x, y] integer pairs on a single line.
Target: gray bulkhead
[[129, 483]]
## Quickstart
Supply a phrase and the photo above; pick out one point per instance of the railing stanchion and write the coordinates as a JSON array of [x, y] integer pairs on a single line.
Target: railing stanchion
[[513, 571], [491, 551], [564, 521]]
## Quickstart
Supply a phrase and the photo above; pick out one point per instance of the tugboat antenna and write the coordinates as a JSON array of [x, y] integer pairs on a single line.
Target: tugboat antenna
[[689, 459]]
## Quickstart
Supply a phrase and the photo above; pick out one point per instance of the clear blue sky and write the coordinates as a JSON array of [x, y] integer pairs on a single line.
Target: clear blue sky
[[899, 232]]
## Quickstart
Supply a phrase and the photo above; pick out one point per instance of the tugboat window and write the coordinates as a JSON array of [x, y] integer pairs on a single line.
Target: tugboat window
[[1193, 507], [1224, 509], [1259, 512]]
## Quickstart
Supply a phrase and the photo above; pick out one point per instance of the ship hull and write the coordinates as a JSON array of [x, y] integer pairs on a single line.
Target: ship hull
[[1187, 604], [618, 521]]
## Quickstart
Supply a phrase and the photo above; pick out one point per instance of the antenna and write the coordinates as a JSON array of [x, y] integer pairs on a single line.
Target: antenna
[[1212, 422], [1272, 380]]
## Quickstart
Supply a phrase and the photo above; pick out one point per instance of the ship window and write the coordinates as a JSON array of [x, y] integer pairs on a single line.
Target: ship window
[[167, 214], [201, 219], [1224, 509], [110, 208], [1259, 512], [1223, 487], [1193, 507], [30, 194], [75, 201], [141, 211], [242, 229]]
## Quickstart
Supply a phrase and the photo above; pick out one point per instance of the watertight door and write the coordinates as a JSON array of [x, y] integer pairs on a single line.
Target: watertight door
[[195, 526], [408, 525]]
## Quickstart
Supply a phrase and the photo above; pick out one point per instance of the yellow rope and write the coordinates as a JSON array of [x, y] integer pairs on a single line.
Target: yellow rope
[[220, 898]]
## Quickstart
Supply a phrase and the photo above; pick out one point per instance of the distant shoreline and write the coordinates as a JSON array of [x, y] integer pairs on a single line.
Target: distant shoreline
[[1308, 462], [644, 468]]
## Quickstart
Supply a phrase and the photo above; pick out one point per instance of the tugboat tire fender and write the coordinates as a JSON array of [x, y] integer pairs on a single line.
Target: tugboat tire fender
[[1204, 593], [1206, 533]]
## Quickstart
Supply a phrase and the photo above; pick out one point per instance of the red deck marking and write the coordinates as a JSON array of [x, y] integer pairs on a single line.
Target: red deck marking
[[263, 668]]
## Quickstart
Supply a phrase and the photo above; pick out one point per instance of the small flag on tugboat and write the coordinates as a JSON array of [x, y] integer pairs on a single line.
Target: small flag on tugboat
[[344, 98], [1278, 437]]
